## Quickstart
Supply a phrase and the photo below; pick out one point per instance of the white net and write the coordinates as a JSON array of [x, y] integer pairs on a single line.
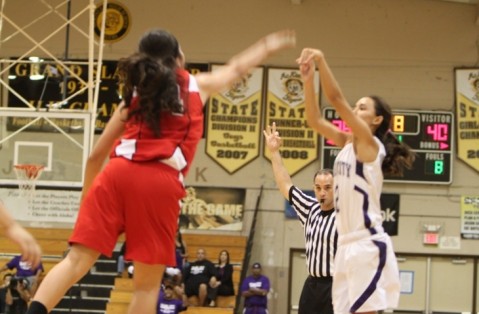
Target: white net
[[27, 175]]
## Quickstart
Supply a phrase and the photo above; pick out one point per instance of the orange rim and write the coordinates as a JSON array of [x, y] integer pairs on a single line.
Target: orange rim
[[31, 171]]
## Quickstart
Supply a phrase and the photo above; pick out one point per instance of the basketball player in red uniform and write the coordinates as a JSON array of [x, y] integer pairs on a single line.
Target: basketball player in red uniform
[[151, 139]]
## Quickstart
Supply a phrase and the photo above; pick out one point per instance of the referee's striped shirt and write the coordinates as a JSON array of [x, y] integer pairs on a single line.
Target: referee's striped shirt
[[319, 232]]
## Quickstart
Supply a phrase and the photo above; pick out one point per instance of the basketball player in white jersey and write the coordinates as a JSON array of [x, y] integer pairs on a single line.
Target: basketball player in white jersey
[[366, 278]]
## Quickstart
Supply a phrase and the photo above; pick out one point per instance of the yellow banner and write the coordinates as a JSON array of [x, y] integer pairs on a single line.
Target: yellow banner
[[285, 107], [233, 128], [467, 131], [467, 114]]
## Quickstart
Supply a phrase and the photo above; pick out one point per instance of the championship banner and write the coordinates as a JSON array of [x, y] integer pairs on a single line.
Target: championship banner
[[285, 107], [470, 217], [213, 208], [46, 85], [233, 129], [467, 113]]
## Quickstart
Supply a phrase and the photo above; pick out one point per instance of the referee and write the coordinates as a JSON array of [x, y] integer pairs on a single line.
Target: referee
[[319, 222]]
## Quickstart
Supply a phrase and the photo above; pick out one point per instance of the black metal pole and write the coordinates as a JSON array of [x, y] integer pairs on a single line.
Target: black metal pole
[[64, 96], [249, 247], [67, 48]]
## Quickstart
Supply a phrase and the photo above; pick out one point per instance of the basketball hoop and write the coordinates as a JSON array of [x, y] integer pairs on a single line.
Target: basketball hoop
[[27, 175]]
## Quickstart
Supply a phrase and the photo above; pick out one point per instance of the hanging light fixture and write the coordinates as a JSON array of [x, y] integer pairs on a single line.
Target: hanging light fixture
[[35, 73]]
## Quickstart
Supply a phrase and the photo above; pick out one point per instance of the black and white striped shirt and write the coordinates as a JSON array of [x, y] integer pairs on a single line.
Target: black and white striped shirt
[[319, 232]]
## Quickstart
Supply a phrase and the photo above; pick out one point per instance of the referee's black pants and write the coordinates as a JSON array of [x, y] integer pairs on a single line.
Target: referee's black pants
[[316, 296]]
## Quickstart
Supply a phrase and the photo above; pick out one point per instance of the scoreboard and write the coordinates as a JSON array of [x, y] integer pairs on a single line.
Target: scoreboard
[[428, 133]]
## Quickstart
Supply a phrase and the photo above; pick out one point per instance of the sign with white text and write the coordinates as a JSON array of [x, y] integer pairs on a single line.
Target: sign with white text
[[213, 208], [470, 217]]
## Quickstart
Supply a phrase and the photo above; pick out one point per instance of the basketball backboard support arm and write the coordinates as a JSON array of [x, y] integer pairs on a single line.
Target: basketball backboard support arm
[[56, 14]]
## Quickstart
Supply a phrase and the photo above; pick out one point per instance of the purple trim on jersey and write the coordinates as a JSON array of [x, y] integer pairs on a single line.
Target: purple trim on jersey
[[367, 220], [360, 169], [374, 282]]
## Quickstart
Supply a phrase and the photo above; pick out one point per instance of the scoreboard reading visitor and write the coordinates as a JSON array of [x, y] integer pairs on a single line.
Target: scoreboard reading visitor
[[428, 133]]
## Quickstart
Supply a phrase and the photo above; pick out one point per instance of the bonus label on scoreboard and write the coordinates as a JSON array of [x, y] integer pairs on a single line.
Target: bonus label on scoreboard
[[428, 133]]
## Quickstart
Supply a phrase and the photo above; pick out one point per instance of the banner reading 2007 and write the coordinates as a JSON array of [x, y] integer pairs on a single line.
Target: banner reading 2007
[[285, 106], [233, 122]]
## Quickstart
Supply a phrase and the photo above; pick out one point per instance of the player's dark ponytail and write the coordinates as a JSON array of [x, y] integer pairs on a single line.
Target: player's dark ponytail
[[151, 72], [399, 156]]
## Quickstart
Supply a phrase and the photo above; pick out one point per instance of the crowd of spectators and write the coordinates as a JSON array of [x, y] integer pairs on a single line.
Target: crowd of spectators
[[20, 281], [200, 282]]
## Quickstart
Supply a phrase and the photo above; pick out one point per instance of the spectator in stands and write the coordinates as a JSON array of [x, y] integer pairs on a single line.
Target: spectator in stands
[[121, 263], [176, 281], [197, 275], [3, 292], [255, 289], [222, 282], [18, 296], [176, 270], [24, 269], [180, 248], [168, 303]]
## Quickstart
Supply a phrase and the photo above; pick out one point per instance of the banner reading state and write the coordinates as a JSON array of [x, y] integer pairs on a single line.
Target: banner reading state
[[285, 106], [467, 113], [213, 208], [233, 120]]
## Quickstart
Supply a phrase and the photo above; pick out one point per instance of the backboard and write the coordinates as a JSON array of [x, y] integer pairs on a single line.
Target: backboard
[[58, 140]]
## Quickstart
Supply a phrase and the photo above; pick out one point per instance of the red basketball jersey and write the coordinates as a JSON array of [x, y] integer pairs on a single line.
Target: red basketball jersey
[[177, 130]]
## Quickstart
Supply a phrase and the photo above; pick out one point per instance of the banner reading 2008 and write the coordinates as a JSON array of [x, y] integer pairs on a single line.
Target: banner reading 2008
[[285, 106], [233, 122]]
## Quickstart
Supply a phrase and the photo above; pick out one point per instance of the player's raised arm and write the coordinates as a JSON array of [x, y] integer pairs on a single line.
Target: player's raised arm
[[307, 64], [31, 251], [239, 65], [273, 143]]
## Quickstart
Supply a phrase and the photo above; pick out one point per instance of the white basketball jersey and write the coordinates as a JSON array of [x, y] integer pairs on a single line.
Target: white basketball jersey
[[357, 188]]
